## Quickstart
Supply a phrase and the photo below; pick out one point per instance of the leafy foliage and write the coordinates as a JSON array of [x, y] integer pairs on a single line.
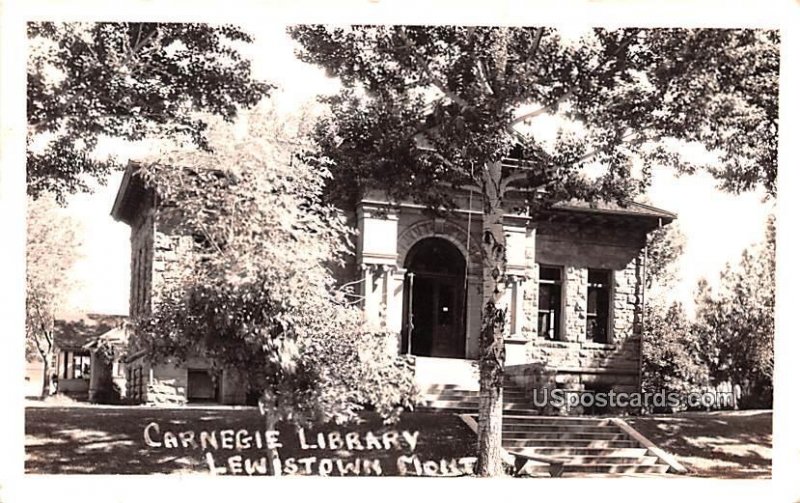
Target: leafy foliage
[[463, 90], [128, 81], [737, 323], [52, 249], [664, 247], [255, 293], [672, 355]]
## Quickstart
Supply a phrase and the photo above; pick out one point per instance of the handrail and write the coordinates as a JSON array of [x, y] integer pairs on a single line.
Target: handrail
[[650, 446]]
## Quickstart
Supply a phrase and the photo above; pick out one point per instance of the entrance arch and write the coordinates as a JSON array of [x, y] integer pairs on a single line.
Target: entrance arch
[[433, 300]]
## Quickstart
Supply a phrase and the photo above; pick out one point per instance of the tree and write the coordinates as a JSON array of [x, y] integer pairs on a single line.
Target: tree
[[52, 249], [255, 294], [672, 356], [128, 81], [664, 247], [431, 108], [738, 320]]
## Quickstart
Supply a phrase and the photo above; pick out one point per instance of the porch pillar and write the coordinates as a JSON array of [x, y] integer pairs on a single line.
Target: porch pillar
[[376, 256]]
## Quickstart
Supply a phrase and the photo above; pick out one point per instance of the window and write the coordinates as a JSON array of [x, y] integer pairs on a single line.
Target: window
[[77, 365], [597, 305], [135, 388], [549, 302], [81, 365]]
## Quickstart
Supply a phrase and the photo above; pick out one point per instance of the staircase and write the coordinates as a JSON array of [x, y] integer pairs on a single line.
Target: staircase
[[586, 445]]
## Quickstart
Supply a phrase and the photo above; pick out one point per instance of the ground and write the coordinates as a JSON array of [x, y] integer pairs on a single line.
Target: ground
[[110, 440], [727, 444]]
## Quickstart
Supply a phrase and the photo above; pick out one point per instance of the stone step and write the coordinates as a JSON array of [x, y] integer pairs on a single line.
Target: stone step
[[468, 404], [562, 442], [508, 387], [437, 388], [519, 427], [449, 395], [558, 452], [466, 395], [603, 460], [473, 402], [616, 460], [515, 419], [472, 411], [564, 435], [611, 468]]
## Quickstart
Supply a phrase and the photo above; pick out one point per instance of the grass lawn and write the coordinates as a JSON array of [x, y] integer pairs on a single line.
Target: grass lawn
[[728, 444], [110, 440]]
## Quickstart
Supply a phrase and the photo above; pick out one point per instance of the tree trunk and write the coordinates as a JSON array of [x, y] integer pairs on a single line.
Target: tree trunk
[[45, 377], [272, 454], [492, 345]]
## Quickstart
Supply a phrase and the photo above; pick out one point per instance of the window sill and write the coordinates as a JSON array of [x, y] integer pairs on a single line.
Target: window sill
[[517, 339], [600, 345], [575, 344]]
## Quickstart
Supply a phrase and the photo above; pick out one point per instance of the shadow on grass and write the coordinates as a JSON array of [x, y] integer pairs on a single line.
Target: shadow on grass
[[727, 444], [110, 440]]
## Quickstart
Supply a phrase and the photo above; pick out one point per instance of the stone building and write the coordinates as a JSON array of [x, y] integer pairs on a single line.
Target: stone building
[[574, 294], [155, 247]]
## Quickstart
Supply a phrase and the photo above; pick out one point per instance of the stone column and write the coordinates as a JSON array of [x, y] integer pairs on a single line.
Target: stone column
[[395, 281], [516, 253], [473, 318], [576, 289], [530, 288], [625, 300], [377, 260]]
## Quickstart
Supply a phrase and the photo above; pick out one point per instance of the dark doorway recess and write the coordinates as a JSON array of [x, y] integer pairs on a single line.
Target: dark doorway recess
[[201, 387], [433, 300]]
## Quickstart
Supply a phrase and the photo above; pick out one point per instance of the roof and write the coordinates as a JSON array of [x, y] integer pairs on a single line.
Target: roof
[[133, 192], [116, 337], [632, 209], [130, 194], [73, 332]]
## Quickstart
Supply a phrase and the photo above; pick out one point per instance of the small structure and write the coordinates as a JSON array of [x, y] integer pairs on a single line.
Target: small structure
[[574, 294], [74, 362], [107, 379]]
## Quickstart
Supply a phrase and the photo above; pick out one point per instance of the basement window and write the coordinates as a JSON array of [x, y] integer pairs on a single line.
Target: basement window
[[549, 324], [597, 305]]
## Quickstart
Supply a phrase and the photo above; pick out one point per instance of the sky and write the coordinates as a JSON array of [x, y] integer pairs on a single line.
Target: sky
[[718, 226]]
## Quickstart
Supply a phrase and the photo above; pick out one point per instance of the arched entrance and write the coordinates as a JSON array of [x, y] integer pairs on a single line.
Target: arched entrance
[[433, 300]]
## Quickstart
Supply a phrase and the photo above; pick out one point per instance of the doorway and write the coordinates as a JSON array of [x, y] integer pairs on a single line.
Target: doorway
[[201, 386], [433, 300]]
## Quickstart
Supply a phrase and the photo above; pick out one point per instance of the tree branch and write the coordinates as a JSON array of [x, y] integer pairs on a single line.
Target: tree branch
[[48, 337], [38, 125], [535, 46], [424, 67], [553, 105], [482, 76], [633, 138]]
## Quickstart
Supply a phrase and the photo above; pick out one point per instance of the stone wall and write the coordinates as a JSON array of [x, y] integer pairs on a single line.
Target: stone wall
[[574, 361], [156, 249], [167, 382], [158, 252], [388, 232], [574, 290], [142, 238]]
